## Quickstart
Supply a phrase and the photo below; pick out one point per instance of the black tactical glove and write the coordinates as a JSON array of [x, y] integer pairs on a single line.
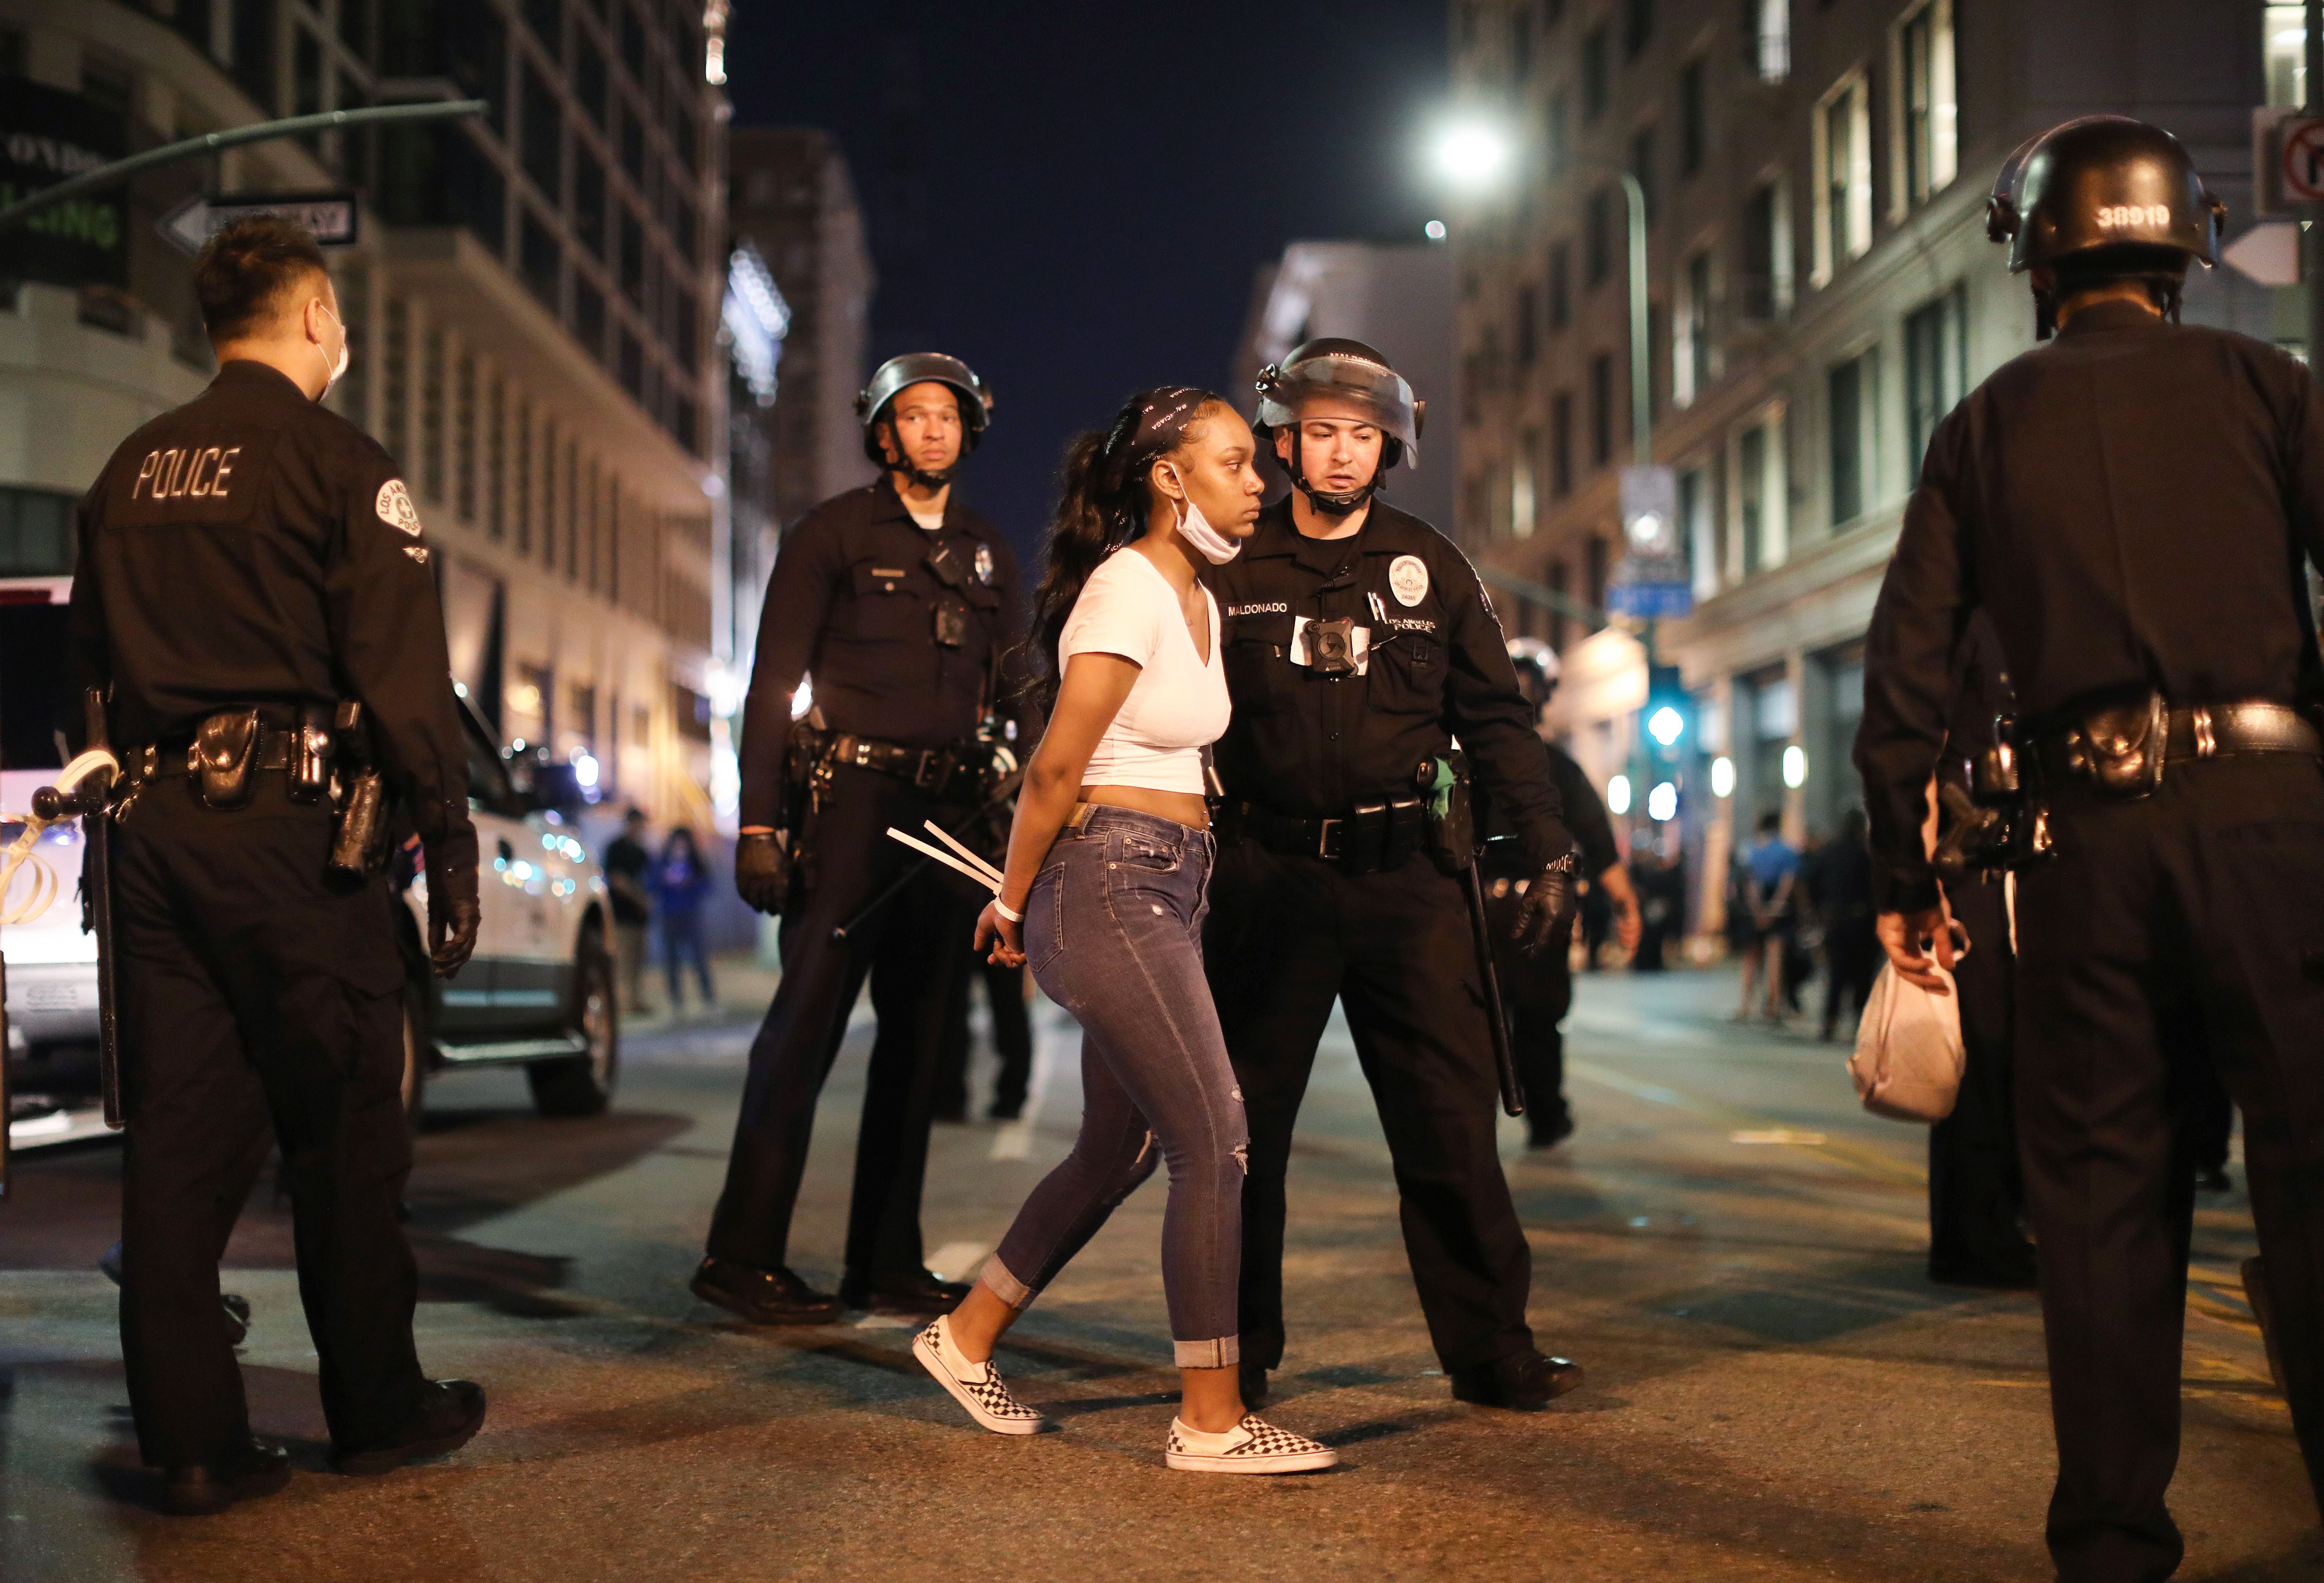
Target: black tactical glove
[[762, 871], [1546, 919], [453, 909]]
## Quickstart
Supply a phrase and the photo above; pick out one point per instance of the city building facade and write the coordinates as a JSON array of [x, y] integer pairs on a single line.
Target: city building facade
[[533, 306], [1821, 294]]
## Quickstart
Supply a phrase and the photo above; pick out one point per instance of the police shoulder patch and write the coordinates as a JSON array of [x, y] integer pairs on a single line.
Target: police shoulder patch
[[395, 508], [1408, 579]]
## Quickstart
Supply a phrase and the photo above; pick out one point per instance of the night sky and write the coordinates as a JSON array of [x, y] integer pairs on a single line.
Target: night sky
[[1074, 196]]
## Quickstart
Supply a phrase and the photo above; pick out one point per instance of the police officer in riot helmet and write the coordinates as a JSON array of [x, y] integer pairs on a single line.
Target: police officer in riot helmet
[[1358, 643], [1537, 987], [896, 604], [2135, 505], [253, 603]]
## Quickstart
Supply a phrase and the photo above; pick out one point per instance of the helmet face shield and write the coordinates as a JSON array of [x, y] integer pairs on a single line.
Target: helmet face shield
[[1372, 387]]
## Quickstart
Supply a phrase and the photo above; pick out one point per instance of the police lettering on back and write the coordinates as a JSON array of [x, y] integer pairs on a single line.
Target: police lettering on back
[[176, 471]]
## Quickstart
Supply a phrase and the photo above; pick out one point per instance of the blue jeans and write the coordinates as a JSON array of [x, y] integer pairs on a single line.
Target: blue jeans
[[1113, 933], [681, 941]]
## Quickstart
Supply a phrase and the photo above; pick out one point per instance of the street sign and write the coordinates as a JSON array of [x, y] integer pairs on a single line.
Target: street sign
[[1652, 578], [331, 216], [2301, 163]]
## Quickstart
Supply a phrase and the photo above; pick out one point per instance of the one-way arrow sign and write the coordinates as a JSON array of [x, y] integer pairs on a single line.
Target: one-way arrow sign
[[330, 216]]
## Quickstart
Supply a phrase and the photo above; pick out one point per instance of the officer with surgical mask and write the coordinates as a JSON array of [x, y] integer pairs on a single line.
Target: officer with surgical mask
[[251, 565], [1359, 644]]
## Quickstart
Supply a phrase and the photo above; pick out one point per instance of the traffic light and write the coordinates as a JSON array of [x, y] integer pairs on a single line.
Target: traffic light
[[1669, 716]]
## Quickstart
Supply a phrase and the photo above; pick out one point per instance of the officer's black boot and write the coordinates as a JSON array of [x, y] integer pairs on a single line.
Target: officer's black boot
[[449, 1414], [1523, 1382], [202, 1489], [1253, 1376], [763, 1297]]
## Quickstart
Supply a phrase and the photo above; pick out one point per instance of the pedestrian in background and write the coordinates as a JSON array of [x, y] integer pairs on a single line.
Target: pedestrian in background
[[1770, 870], [681, 883], [626, 863], [1851, 948]]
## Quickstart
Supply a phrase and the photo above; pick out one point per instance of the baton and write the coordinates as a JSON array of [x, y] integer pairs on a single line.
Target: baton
[[90, 800], [1001, 794], [1504, 1060]]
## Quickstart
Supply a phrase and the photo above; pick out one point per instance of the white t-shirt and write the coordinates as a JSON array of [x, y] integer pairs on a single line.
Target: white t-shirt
[[1178, 706]]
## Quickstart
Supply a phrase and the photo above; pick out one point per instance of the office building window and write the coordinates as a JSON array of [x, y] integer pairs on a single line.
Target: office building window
[[523, 469], [1690, 342], [1642, 166], [1561, 582], [1698, 535], [597, 523], [496, 460], [463, 438], [1556, 136], [589, 316], [547, 19], [1853, 391], [572, 510], [1761, 522], [1936, 366], [1595, 558], [355, 27], [539, 257], [1765, 281], [1927, 134], [1638, 27], [431, 416], [2284, 41], [1521, 46], [395, 389], [543, 140], [1528, 325], [1561, 445], [307, 78], [634, 367], [1601, 408], [633, 146], [1598, 237], [1693, 123], [633, 258], [254, 50], [1521, 501], [1593, 75], [589, 201], [549, 493], [1767, 38], [589, 79], [1561, 285], [1843, 148]]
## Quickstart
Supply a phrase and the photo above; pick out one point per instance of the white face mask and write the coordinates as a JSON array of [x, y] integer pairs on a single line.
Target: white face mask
[[339, 367], [1216, 547]]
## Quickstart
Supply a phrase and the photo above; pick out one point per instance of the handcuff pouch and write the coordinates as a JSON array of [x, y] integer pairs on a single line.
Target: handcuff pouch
[[226, 746]]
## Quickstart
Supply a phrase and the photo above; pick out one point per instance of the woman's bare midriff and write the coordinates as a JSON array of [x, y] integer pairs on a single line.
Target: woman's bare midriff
[[1185, 807]]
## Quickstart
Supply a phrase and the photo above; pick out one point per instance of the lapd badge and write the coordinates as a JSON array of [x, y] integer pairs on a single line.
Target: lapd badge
[[984, 562], [1408, 579], [395, 508]]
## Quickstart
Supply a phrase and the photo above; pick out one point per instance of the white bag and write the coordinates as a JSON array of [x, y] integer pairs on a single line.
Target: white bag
[[1908, 1058]]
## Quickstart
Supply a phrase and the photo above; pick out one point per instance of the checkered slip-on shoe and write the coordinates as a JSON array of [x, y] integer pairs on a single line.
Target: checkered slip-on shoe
[[1252, 1445], [975, 1385]]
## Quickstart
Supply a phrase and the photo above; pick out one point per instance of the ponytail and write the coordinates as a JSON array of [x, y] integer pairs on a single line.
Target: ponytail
[[1101, 505]]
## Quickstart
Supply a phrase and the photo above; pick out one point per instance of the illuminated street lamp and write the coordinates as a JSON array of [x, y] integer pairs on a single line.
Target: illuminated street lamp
[[1662, 803], [1618, 796], [1722, 777], [1795, 766], [1472, 153]]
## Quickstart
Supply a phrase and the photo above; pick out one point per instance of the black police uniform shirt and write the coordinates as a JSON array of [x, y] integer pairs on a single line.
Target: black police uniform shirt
[[854, 604], [1435, 665], [253, 548], [2129, 504]]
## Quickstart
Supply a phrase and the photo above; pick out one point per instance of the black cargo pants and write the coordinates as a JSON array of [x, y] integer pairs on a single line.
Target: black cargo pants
[[1289, 935], [914, 950], [2192, 918], [252, 993]]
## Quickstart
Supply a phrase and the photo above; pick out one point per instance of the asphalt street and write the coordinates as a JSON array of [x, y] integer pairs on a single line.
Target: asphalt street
[[1731, 1247]]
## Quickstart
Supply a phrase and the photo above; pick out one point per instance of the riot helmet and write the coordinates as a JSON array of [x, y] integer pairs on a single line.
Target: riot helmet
[[913, 368], [1536, 665], [1332, 365], [2105, 196]]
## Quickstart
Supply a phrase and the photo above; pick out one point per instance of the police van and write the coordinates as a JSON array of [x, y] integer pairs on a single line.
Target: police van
[[538, 993]]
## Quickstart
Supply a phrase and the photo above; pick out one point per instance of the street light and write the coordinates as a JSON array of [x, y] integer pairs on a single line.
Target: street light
[[1795, 766], [1665, 725], [1722, 777], [1662, 803], [1617, 795], [1473, 154]]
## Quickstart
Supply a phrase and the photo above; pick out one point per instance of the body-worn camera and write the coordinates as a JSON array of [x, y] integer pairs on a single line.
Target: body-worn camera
[[1332, 646]]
